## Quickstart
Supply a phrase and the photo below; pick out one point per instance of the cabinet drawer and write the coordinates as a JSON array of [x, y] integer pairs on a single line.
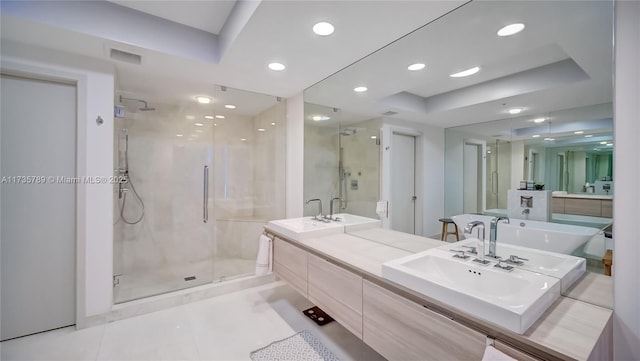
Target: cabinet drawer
[[290, 263], [513, 352], [607, 208], [400, 329], [336, 291], [557, 205], [584, 207]]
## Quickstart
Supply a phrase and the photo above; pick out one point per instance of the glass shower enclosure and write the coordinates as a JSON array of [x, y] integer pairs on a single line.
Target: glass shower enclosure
[[198, 182]]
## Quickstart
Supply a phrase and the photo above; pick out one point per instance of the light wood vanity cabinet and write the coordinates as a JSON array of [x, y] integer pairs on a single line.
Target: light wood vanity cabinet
[[336, 291], [290, 263], [583, 206], [400, 329]]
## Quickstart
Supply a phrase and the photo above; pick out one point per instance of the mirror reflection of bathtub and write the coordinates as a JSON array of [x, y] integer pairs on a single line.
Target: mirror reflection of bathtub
[[581, 241]]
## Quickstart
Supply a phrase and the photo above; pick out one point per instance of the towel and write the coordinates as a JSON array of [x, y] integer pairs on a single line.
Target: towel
[[381, 209], [493, 354], [264, 262]]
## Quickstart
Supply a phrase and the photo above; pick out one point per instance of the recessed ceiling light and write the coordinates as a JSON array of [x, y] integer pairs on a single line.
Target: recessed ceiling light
[[230, 106], [511, 29], [360, 89], [198, 124], [549, 139], [515, 110], [208, 116], [374, 137], [323, 28], [179, 135], [467, 72], [488, 152], [579, 132], [261, 129], [273, 123], [243, 139], [220, 116], [215, 124], [603, 142], [416, 66], [190, 117], [535, 136], [588, 136], [609, 144], [203, 99], [276, 66], [539, 120]]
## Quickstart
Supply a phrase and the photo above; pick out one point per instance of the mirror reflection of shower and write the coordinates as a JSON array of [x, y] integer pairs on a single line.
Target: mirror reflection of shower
[[343, 174], [126, 184]]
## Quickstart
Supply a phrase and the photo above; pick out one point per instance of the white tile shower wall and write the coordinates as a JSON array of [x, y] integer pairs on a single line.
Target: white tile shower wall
[[320, 166]]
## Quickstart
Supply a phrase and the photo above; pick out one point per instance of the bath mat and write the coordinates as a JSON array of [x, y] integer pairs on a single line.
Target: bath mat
[[317, 315], [299, 347]]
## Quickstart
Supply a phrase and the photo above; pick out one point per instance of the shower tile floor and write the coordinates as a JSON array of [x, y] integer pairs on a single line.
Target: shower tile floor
[[227, 327], [166, 279]]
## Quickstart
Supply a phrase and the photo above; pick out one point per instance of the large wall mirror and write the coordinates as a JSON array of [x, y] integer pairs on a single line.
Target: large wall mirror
[[537, 110]]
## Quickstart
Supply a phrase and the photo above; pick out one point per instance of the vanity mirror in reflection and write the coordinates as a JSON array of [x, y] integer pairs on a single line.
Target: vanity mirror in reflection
[[489, 112]]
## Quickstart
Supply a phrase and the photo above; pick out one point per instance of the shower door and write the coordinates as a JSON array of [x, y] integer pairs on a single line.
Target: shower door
[[164, 229]]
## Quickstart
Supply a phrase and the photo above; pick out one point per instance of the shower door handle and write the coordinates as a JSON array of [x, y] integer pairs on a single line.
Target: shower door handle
[[205, 195]]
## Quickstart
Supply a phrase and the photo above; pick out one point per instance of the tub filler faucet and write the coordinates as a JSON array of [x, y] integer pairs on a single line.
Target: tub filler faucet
[[493, 235]]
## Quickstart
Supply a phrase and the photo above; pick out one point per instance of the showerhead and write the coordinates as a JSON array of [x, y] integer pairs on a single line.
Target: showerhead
[[145, 108], [348, 131]]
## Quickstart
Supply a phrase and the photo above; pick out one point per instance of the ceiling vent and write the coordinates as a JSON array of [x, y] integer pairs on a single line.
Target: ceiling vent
[[125, 56], [389, 113]]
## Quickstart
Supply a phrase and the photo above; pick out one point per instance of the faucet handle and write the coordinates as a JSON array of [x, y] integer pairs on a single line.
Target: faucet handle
[[471, 250], [503, 267], [459, 253], [514, 258]]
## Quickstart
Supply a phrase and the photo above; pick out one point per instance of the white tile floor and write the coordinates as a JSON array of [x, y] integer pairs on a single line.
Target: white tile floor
[[227, 327]]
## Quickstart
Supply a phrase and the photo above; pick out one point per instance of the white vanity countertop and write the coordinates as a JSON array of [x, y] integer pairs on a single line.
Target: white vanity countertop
[[569, 327], [584, 196]]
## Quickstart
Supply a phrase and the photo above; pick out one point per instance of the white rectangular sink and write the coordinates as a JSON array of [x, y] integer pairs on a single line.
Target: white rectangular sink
[[354, 223], [564, 267], [308, 227], [304, 228], [513, 300]]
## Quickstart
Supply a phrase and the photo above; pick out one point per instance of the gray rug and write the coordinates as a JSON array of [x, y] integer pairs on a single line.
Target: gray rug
[[299, 347]]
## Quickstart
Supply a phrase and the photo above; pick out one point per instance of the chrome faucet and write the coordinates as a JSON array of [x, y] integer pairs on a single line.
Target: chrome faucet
[[480, 251], [330, 217], [319, 215], [471, 225], [493, 235]]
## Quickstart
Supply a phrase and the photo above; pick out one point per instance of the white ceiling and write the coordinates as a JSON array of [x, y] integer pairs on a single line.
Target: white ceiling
[[275, 31], [209, 16]]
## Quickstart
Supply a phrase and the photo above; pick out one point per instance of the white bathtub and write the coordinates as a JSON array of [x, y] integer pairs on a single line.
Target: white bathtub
[[552, 237]]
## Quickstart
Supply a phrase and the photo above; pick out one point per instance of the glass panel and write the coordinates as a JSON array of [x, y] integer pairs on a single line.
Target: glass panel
[[163, 152], [249, 176]]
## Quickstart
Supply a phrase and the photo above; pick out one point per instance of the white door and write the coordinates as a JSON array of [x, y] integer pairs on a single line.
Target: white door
[[403, 195], [37, 219]]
